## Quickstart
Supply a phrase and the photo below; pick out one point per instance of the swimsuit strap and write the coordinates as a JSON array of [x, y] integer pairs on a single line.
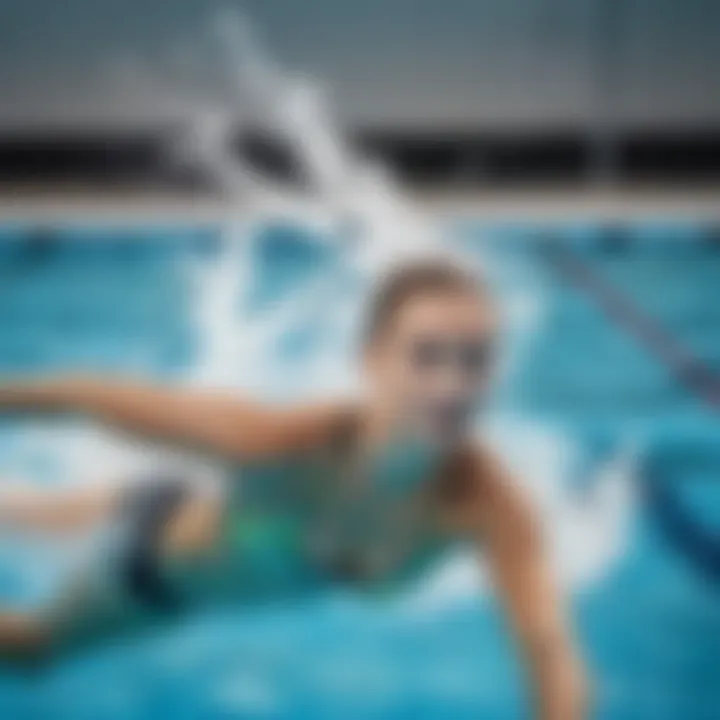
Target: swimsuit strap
[[146, 509]]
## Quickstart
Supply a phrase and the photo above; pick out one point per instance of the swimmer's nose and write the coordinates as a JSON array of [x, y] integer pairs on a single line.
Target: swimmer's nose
[[449, 386]]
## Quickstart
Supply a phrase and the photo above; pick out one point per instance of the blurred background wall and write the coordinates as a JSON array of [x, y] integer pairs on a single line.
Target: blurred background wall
[[460, 89]]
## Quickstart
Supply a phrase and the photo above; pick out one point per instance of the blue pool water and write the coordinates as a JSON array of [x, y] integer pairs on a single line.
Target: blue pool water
[[613, 339]]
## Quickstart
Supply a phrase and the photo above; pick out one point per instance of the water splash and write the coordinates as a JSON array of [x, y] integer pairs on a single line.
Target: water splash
[[352, 204], [372, 227]]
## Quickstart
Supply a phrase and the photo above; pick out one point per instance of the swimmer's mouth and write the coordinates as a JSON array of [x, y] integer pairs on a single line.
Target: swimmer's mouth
[[450, 417]]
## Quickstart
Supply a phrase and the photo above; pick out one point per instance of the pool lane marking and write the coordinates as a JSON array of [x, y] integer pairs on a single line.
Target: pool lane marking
[[691, 371], [699, 544]]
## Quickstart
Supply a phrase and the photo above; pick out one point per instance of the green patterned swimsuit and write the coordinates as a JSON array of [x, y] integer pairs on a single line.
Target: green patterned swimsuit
[[293, 528]]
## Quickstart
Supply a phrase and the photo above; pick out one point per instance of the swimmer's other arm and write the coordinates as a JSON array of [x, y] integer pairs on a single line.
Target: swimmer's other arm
[[506, 527], [213, 422]]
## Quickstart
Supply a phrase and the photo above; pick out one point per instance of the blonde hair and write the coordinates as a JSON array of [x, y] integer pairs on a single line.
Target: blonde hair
[[406, 283]]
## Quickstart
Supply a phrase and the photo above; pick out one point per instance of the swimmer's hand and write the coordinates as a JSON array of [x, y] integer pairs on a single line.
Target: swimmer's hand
[[208, 421], [499, 517]]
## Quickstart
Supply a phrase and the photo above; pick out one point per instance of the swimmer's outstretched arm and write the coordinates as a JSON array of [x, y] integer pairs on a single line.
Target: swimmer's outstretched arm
[[498, 516], [213, 422], [25, 506]]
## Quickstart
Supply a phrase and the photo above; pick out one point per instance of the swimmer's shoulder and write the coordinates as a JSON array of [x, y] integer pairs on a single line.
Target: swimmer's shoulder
[[476, 491]]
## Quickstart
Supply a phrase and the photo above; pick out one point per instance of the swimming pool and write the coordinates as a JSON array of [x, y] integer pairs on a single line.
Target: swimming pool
[[612, 351]]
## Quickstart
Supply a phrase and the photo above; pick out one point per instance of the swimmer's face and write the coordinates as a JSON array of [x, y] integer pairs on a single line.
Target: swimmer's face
[[431, 364]]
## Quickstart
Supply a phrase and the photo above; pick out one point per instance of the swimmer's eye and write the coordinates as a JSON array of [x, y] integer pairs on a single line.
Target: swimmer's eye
[[471, 357], [429, 354]]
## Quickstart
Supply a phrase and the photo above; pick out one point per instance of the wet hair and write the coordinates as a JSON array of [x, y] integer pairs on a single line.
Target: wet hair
[[402, 285]]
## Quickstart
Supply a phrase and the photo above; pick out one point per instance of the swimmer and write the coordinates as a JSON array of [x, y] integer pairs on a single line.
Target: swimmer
[[359, 493]]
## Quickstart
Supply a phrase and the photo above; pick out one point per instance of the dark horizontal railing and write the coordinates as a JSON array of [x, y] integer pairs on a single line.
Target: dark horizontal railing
[[462, 159]]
